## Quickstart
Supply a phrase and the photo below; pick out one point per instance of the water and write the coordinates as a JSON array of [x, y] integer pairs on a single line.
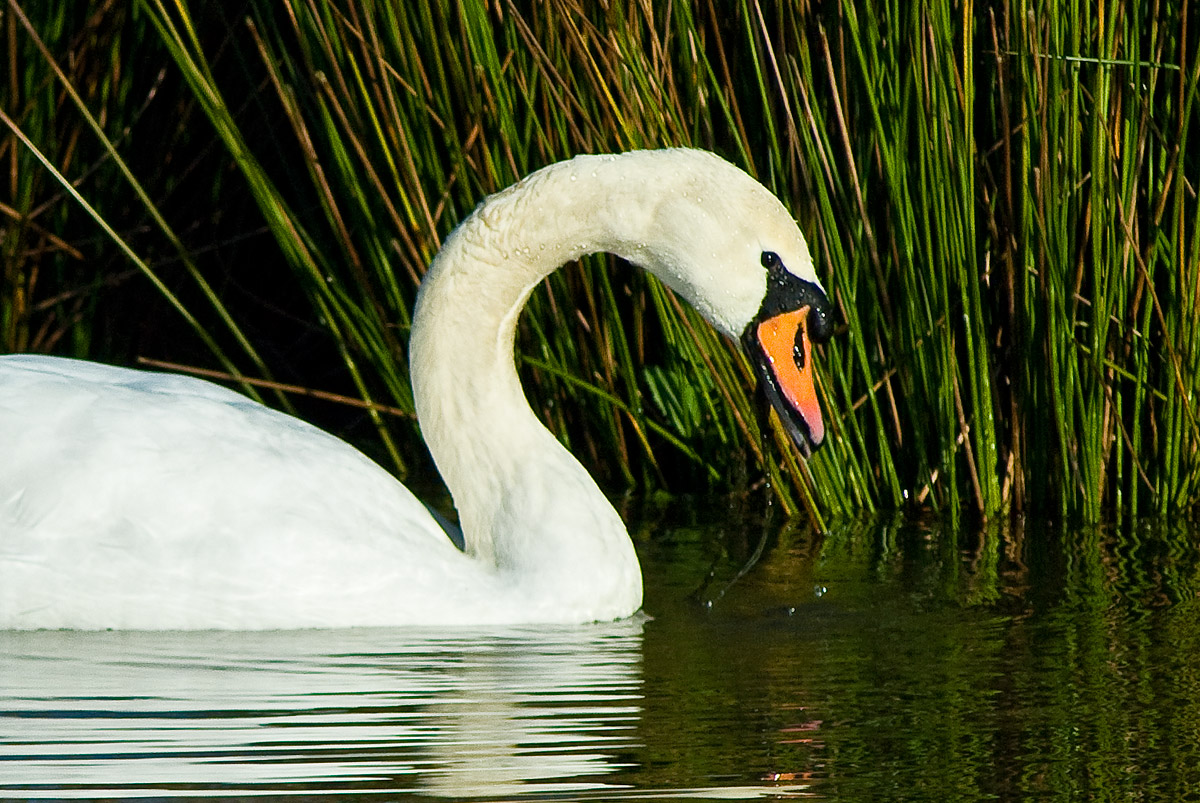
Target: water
[[880, 662]]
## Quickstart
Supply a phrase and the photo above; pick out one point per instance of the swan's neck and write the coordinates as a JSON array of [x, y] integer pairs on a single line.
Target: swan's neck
[[525, 504]]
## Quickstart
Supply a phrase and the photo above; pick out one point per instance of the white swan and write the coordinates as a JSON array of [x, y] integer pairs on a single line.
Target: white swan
[[148, 501]]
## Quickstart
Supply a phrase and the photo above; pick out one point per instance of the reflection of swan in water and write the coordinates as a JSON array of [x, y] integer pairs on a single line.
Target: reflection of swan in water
[[500, 713], [134, 500], [476, 713], [547, 721], [496, 713]]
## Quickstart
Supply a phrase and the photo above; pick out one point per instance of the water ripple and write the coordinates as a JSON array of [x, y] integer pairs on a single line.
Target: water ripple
[[482, 714]]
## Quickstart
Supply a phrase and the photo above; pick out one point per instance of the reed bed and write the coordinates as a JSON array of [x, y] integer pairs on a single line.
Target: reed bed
[[44, 284], [1001, 198]]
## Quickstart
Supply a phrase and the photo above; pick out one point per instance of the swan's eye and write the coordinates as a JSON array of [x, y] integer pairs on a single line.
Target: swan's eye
[[770, 259]]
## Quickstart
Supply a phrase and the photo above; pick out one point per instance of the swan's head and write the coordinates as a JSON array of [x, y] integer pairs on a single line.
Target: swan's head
[[727, 244], [703, 226]]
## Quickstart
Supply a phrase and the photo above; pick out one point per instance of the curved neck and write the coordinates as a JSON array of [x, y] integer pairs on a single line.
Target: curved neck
[[524, 502], [695, 221]]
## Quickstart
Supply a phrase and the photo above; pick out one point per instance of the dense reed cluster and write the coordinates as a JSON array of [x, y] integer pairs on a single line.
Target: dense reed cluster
[[1001, 198]]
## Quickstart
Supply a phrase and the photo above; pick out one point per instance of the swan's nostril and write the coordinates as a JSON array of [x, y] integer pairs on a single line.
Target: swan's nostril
[[798, 355]]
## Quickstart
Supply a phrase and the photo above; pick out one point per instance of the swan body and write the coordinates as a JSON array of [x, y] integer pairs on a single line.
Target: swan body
[[131, 499]]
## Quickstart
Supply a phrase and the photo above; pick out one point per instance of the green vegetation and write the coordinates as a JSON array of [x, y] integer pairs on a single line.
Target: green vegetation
[[1001, 199]]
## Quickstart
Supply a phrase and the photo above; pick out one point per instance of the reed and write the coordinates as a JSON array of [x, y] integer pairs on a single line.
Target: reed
[[1001, 198], [51, 116], [45, 287], [402, 119]]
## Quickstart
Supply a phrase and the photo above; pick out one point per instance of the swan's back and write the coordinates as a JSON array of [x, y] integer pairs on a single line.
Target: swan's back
[[147, 500]]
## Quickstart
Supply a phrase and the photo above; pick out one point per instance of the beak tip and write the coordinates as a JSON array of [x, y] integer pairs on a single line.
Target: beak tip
[[808, 435]]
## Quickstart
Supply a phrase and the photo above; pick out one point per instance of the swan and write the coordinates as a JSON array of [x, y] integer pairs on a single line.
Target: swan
[[138, 500]]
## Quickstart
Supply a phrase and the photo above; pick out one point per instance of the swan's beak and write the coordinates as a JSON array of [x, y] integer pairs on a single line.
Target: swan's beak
[[780, 343]]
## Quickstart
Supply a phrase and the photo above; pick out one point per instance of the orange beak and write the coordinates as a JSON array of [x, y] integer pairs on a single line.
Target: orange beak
[[785, 345]]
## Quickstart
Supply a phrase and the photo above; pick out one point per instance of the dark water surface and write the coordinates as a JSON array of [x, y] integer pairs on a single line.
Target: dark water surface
[[879, 662]]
